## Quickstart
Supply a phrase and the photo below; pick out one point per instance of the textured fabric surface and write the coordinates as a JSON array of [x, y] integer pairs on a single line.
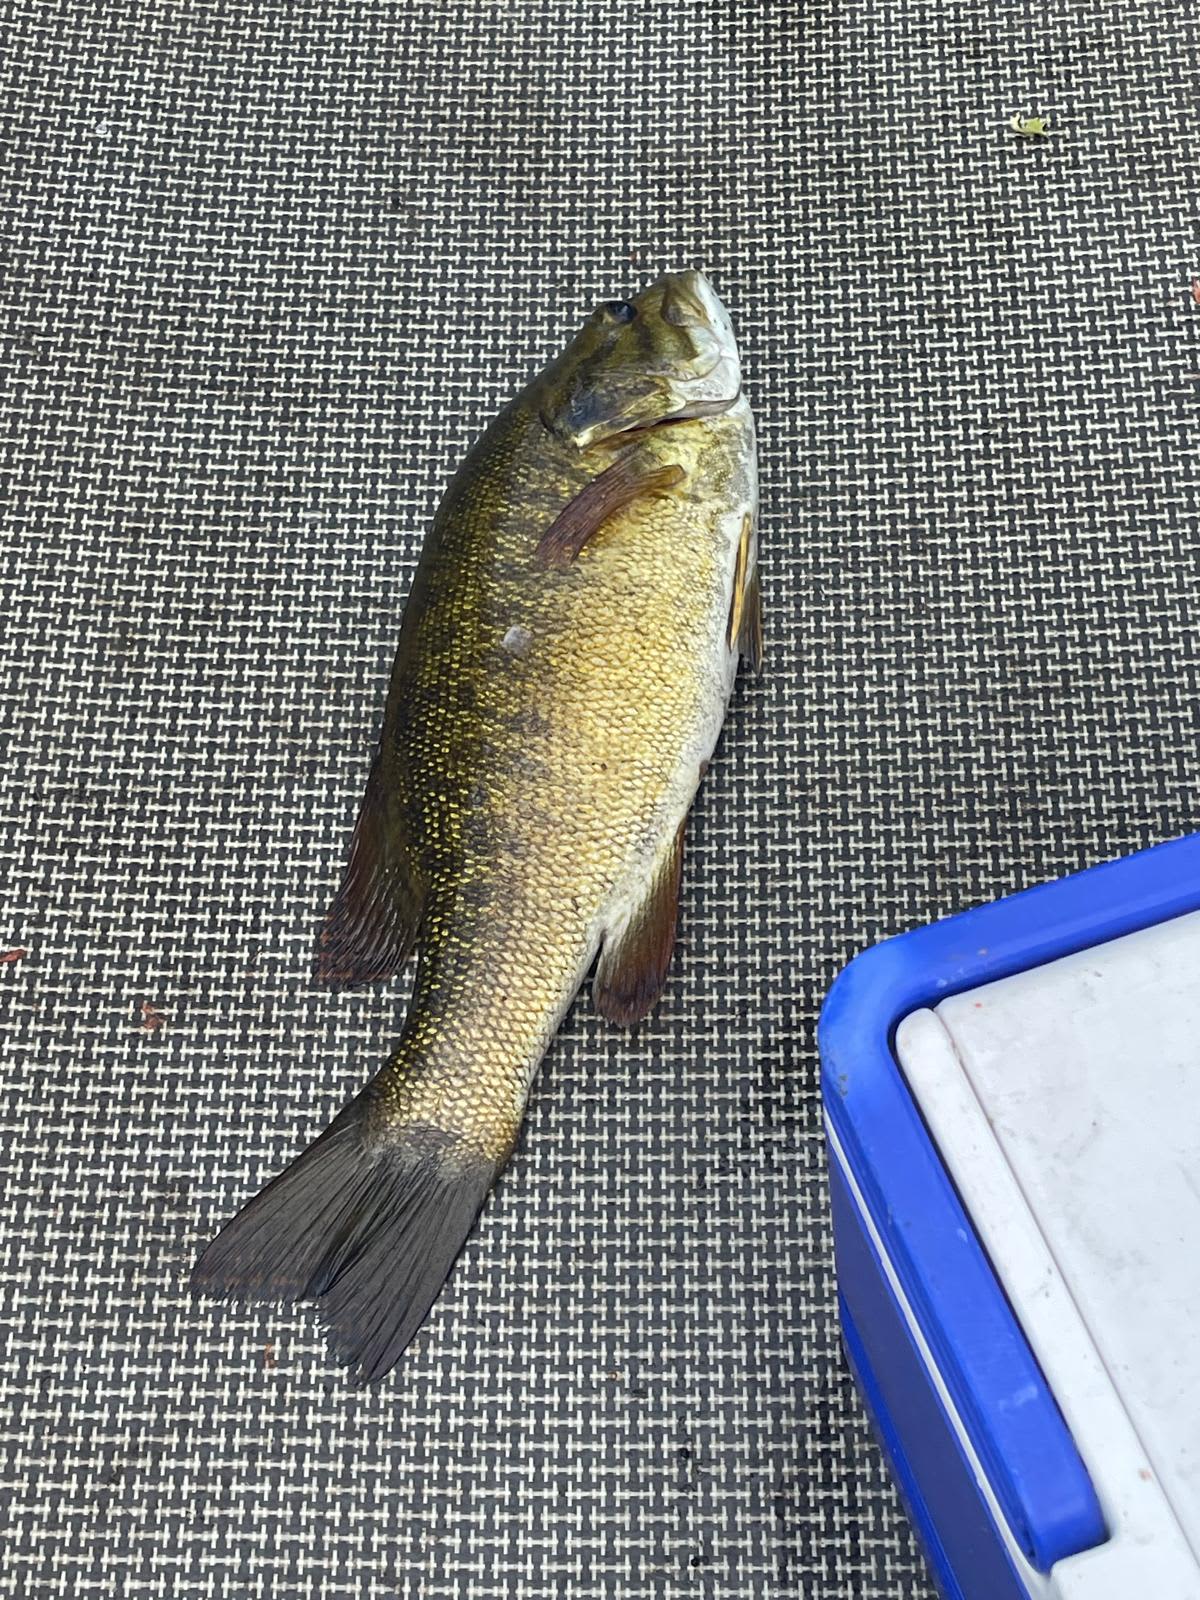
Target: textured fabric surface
[[271, 268]]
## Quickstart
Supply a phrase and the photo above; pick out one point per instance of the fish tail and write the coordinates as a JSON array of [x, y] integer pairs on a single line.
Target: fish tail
[[367, 1222]]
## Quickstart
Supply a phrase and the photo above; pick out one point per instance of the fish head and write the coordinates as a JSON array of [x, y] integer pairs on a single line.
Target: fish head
[[667, 355]]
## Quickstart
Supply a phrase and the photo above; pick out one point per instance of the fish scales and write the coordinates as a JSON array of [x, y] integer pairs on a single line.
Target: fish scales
[[564, 665]]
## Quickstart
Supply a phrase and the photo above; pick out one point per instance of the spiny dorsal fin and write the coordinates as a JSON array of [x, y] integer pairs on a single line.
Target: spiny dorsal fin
[[616, 487], [633, 964], [745, 630], [372, 924]]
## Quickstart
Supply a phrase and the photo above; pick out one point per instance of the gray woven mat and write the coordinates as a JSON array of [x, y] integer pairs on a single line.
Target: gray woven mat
[[273, 266]]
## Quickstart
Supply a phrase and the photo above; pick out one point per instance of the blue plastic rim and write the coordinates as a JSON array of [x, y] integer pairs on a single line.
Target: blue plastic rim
[[1009, 1413]]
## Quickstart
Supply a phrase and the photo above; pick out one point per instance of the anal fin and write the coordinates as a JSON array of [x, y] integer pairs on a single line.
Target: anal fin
[[634, 961], [372, 925]]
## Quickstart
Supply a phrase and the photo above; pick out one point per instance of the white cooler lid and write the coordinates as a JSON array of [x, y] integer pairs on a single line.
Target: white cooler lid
[[1068, 1098]]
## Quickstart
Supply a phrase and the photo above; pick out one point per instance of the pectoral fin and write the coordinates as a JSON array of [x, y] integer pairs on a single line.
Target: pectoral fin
[[372, 924], [617, 486], [634, 960], [745, 606]]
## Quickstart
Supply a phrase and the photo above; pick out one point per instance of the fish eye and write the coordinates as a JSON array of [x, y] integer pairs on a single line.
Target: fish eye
[[618, 311]]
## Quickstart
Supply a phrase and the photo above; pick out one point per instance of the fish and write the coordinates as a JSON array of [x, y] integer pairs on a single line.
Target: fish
[[566, 656]]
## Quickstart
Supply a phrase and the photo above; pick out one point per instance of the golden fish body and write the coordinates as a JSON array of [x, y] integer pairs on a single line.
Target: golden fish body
[[565, 717], [566, 657]]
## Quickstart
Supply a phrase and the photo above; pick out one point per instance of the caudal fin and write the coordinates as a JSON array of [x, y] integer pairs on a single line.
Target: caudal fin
[[370, 1230]]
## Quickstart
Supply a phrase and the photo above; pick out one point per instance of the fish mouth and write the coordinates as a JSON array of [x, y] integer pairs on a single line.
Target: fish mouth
[[686, 300], [691, 413], [701, 408]]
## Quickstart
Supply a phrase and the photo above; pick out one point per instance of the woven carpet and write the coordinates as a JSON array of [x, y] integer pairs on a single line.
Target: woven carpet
[[270, 269]]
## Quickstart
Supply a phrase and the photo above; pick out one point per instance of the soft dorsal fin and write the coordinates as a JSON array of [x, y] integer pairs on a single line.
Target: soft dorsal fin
[[372, 924], [634, 961], [745, 631], [616, 487]]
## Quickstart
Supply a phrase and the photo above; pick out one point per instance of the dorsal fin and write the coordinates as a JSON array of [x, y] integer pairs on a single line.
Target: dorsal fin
[[372, 924], [616, 487], [633, 964]]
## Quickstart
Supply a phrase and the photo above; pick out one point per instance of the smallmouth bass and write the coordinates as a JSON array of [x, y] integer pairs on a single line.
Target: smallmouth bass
[[566, 655]]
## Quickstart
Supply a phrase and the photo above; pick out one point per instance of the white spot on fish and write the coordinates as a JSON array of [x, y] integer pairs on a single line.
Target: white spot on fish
[[517, 641]]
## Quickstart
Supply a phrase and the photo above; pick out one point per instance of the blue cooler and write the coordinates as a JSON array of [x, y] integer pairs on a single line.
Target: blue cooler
[[1012, 1108]]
